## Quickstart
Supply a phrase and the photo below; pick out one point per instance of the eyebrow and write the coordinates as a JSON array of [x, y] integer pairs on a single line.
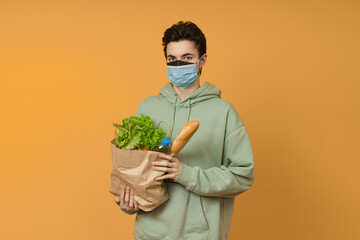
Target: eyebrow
[[186, 54]]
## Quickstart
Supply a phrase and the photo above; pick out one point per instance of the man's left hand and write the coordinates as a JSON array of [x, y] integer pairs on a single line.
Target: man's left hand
[[169, 165]]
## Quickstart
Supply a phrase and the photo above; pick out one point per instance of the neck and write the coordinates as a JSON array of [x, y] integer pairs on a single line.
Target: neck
[[183, 93]]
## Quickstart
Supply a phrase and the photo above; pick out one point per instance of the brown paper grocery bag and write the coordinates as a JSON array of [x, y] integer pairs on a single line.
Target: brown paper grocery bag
[[133, 168]]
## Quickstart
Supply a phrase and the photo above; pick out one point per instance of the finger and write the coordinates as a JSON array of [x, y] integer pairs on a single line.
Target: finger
[[166, 156], [122, 195], [163, 177], [117, 200], [136, 206], [163, 169], [165, 163], [127, 199], [122, 205], [131, 203], [160, 178], [127, 196]]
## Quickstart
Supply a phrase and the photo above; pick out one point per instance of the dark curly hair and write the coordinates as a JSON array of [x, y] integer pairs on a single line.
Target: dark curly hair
[[185, 31]]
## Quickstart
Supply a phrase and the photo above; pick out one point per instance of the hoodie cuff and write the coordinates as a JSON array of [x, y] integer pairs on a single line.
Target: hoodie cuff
[[184, 176], [129, 212]]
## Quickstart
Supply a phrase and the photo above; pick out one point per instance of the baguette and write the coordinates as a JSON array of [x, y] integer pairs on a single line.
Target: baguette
[[184, 136]]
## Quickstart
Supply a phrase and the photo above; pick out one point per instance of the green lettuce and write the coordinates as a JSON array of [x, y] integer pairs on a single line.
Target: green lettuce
[[143, 133]]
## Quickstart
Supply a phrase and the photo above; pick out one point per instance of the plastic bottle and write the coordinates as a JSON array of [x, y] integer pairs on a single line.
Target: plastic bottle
[[163, 147]]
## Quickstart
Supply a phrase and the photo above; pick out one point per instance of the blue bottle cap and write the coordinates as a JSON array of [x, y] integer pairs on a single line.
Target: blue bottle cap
[[165, 142]]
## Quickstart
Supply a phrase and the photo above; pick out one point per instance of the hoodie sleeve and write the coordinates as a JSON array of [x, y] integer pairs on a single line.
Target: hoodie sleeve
[[233, 177], [129, 212]]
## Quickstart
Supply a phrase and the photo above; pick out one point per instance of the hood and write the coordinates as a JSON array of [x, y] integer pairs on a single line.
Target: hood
[[204, 92]]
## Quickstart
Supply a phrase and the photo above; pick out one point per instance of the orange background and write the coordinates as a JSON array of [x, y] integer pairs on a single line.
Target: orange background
[[69, 69]]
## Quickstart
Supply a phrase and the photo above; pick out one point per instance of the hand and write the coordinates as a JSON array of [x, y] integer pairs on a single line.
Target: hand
[[169, 164], [126, 200]]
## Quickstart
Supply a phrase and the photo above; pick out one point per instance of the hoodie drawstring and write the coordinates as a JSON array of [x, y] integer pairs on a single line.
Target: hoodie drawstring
[[189, 110], [174, 111], [173, 120]]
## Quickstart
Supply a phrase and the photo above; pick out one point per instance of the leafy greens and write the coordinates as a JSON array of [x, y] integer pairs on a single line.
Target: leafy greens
[[143, 133]]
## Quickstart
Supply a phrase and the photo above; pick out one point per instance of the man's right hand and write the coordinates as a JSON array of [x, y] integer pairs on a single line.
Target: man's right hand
[[126, 200]]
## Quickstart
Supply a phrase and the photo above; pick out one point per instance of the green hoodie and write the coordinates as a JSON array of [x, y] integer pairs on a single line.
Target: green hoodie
[[217, 166]]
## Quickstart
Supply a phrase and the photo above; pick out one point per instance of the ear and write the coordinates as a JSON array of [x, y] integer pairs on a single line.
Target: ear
[[203, 60]]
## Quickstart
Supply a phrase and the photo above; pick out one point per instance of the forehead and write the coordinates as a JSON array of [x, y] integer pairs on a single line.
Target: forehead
[[179, 48]]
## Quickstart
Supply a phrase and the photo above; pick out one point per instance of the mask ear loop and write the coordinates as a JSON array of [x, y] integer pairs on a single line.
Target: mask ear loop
[[198, 63]]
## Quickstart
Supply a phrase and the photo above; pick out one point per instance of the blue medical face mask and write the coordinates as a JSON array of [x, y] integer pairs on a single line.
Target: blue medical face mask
[[182, 74]]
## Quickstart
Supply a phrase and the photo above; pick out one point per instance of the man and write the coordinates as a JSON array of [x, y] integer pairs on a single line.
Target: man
[[216, 164]]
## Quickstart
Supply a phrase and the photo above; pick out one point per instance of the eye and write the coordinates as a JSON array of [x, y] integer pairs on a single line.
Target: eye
[[171, 59], [188, 58]]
